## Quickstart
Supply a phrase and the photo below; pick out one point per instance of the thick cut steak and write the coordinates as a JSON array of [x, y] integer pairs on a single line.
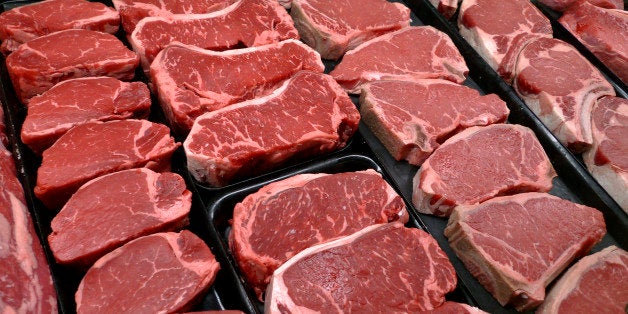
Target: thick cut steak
[[114, 209], [94, 149], [498, 30], [334, 29], [307, 116], [160, 273], [480, 163], [446, 7], [562, 5], [191, 81], [560, 86], [288, 216], [411, 119], [79, 101], [45, 61], [381, 269], [411, 53], [516, 245]]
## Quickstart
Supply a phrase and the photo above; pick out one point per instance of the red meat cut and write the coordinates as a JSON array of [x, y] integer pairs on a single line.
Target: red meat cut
[[28, 22], [411, 53], [111, 210], [562, 5], [45, 61], [307, 116], [411, 119], [560, 86], [446, 7], [288, 216], [516, 245], [334, 29], [79, 101], [191, 81], [94, 149], [455, 308], [381, 269], [478, 164], [160, 273]]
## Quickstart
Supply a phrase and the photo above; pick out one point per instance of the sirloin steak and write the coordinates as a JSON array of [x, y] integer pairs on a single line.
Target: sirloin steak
[[562, 5]]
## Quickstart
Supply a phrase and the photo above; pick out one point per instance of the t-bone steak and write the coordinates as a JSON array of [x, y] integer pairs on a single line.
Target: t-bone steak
[[516, 245], [446, 7], [411, 53], [478, 164], [307, 116], [412, 118], [191, 81], [562, 5]]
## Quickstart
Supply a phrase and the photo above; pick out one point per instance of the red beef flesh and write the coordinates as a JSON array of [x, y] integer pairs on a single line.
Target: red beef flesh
[[562, 5], [446, 7]]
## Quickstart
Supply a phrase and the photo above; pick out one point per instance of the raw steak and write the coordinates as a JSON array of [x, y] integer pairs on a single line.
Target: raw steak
[[79, 101], [562, 5], [411, 53], [334, 29], [28, 22], [159, 273], [380, 269], [607, 160], [446, 7], [114, 209], [94, 149], [516, 245], [246, 23], [455, 308], [498, 30], [412, 119], [191, 81], [45, 61], [478, 164], [307, 116], [288, 216], [560, 86], [595, 284]]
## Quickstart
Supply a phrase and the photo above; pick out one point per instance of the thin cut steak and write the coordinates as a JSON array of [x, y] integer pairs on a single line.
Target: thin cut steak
[[380, 269], [478, 164], [562, 5], [411, 119], [111, 210], [307, 116], [411, 53], [45, 61], [94, 149], [285, 217], [516, 245], [79, 101], [160, 273], [560, 86], [334, 29], [191, 81], [446, 7]]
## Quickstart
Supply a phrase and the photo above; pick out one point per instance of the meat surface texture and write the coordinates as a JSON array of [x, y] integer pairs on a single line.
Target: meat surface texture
[[307, 116], [288, 216], [516, 245], [498, 30], [560, 86], [595, 284], [411, 119], [259, 22], [446, 7], [45, 61], [191, 81], [94, 149], [334, 29], [160, 273], [478, 164], [607, 160], [455, 308], [562, 5], [28, 22], [79, 101], [411, 53], [381, 269], [114, 209]]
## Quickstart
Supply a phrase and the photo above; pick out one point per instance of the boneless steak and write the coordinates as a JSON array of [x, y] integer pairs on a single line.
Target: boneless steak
[[411, 53], [562, 5], [191, 81], [480, 163], [307, 116], [516, 245], [412, 118], [446, 7], [160, 273]]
